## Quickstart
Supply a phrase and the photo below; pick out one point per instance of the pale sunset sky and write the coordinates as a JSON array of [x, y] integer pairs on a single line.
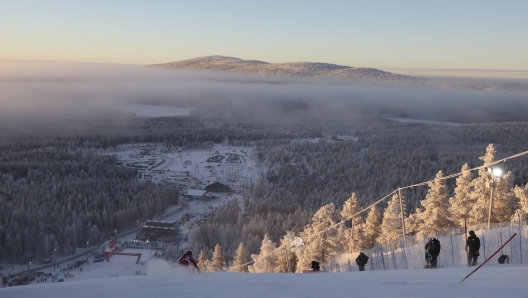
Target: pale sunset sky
[[458, 34]]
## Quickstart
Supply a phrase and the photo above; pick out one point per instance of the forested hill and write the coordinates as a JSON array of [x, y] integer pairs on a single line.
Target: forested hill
[[290, 69], [314, 70]]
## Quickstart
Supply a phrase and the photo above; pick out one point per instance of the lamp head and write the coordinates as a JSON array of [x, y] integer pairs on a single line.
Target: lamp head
[[497, 172]]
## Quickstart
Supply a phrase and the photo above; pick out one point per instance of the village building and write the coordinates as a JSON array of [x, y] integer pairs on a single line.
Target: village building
[[217, 187], [196, 194]]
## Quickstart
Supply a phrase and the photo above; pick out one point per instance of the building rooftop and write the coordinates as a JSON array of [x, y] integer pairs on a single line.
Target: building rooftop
[[196, 192]]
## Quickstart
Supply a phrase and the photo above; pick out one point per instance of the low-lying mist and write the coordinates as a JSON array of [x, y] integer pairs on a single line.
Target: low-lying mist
[[35, 91]]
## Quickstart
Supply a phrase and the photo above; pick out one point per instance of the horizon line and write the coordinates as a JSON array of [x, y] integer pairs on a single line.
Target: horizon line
[[147, 64]]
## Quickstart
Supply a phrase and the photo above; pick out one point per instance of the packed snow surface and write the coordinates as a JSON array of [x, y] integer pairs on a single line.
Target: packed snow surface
[[164, 279]]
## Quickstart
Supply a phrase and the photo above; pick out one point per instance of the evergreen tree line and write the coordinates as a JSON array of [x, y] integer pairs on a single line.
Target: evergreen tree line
[[303, 176], [335, 231], [108, 132], [54, 201], [57, 194]]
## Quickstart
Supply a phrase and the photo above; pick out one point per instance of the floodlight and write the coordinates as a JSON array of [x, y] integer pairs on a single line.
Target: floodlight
[[497, 172]]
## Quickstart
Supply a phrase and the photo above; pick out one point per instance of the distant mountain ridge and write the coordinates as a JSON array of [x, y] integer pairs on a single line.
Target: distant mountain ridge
[[317, 70], [289, 69]]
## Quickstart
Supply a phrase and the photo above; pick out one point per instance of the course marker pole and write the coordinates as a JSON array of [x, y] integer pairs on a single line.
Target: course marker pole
[[463, 279]]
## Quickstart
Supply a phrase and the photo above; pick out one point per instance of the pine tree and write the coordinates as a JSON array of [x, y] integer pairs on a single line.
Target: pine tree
[[285, 254], [463, 200], [504, 200], [481, 191], [203, 263], [372, 228], [265, 261], [522, 194], [352, 234], [239, 264], [321, 237], [435, 215], [391, 226], [217, 263], [414, 222]]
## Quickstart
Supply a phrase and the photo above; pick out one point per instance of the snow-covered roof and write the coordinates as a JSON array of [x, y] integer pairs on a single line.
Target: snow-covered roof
[[215, 183], [196, 192]]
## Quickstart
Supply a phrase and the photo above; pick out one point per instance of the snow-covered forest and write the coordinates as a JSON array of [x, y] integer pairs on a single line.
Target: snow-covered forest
[[336, 229], [59, 188]]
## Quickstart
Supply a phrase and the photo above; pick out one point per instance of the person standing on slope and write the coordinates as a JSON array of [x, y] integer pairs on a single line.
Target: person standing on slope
[[428, 255], [361, 261], [472, 248], [435, 252], [187, 260]]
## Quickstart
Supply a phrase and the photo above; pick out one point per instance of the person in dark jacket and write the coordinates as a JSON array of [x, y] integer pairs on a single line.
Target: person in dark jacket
[[361, 261], [315, 266], [428, 253], [435, 252], [472, 248]]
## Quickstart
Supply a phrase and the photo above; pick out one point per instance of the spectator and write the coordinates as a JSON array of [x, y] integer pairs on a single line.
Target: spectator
[[472, 248], [361, 261], [435, 252]]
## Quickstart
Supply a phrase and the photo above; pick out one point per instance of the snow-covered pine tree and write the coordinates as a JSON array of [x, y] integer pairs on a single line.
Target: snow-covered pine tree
[[504, 200], [372, 228], [286, 258], [203, 263], [352, 235], [217, 263], [414, 222], [321, 238], [463, 200], [522, 194], [435, 216], [239, 264], [391, 225], [265, 261], [481, 192]]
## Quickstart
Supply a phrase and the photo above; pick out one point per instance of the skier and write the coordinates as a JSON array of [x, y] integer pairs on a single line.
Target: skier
[[361, 261], [472, 248], [187, 259], [428, 250], [435, 251]]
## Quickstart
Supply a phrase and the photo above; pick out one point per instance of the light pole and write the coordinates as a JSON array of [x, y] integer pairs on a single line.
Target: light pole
[[403, 219], [495, 173]]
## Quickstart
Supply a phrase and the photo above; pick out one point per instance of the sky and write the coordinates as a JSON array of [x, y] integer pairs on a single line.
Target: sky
[[382, 34]]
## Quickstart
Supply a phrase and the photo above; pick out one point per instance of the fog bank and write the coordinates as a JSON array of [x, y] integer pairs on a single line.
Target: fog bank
[[40, 90]]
